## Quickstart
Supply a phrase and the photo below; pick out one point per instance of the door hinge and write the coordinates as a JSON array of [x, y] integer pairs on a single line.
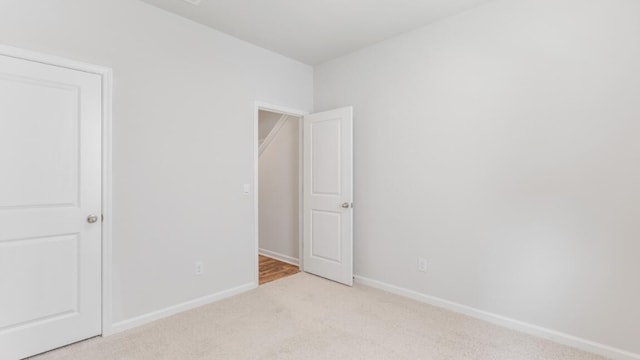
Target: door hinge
[[101, 217]]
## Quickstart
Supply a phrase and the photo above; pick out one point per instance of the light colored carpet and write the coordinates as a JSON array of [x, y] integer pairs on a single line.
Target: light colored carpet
[[306, 317]]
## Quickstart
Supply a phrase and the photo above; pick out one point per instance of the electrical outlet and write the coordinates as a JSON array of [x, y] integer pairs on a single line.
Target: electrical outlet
[[422, 264], [199, 268]]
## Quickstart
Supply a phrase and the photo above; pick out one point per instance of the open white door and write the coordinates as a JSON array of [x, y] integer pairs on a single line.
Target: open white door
[[50, 206], [328, 195]]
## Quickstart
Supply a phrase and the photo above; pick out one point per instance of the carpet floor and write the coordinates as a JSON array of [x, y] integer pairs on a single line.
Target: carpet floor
[[305, 317]]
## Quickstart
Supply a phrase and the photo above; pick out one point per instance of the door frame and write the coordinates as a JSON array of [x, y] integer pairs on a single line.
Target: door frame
[[106, 75], [259, 105]]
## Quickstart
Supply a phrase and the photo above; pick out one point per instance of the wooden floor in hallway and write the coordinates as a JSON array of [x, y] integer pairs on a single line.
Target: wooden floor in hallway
[[272, 269]]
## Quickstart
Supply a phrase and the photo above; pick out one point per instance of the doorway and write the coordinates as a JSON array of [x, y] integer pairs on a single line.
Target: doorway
[[324, 192], [279, 202]]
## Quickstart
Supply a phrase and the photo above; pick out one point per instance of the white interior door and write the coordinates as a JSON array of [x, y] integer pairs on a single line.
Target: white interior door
[[328, 195], [50, 182]]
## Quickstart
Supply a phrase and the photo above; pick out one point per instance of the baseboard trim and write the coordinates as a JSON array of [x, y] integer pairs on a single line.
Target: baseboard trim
[[175, 309], [281, 257], [555, 336]]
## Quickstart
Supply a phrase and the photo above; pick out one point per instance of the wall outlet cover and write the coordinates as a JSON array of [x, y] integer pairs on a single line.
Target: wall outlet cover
[[422, 264]]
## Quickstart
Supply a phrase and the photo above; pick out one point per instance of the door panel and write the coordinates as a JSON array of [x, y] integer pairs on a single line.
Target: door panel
[[325, 150], [328, 193], [50, 161], [59, 285], [325, 235], [48, 145]]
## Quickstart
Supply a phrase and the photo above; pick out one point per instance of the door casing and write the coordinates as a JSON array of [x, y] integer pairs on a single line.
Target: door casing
[[106, 75]]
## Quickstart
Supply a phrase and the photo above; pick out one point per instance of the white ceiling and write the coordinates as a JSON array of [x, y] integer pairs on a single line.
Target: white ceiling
[[314, 31]]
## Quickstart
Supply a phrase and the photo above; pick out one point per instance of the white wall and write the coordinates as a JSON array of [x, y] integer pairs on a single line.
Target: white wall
[[278, 177], [183, 123], [502, 145], [267, 120]]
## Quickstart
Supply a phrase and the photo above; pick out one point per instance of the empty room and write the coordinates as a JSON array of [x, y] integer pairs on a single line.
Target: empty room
[[337, 179]]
